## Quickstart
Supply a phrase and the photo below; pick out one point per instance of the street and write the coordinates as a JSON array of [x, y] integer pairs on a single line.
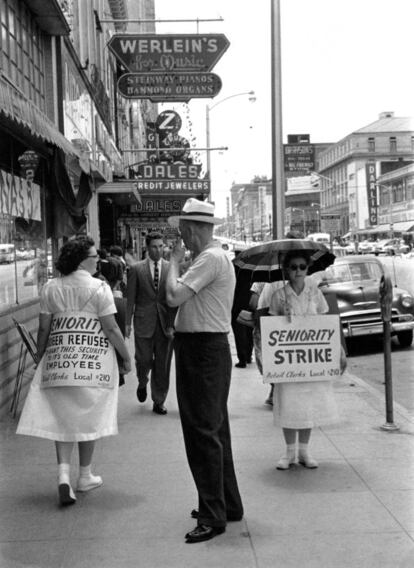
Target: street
[[366, 360]]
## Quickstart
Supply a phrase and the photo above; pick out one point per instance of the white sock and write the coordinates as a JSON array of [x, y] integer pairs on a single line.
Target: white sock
[[290, 450], [64, 473], [303, 449], [85, 471]]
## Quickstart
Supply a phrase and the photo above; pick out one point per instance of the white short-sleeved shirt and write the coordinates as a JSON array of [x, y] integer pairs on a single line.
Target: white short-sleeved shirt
[[211, 277], [310, 301], [76, 291]]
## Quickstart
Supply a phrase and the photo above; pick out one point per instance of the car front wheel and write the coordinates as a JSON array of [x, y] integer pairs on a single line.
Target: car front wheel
[[405, 338]]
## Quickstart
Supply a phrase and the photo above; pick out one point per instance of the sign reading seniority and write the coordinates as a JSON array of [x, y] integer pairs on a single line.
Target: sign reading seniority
[[179, 86], [147, 53], [300, 348]]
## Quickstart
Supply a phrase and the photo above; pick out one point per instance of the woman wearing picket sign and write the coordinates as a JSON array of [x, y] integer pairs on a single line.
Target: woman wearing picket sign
[[74, 394], [299, 406]]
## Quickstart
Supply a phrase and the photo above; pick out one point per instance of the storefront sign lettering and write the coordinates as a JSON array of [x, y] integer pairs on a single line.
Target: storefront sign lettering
[[371, 178], [18, 197]]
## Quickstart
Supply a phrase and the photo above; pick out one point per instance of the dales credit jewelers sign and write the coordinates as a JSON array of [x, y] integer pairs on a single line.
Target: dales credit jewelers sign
[[300, 348]]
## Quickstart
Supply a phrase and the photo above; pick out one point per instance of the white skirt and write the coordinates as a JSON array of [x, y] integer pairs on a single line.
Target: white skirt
[[69, 414], [304, 405]]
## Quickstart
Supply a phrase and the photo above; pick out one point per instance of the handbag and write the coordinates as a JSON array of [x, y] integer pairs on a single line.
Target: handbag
[[246, 318]]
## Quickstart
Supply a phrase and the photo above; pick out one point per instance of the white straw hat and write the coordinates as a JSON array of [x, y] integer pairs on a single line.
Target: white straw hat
[[195, 210]]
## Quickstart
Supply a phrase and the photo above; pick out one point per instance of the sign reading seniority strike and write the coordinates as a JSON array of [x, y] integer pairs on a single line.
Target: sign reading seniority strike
[[78, 353], [302, 349]]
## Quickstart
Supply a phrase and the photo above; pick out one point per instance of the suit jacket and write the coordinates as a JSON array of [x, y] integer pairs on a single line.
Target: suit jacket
[[146, 304]]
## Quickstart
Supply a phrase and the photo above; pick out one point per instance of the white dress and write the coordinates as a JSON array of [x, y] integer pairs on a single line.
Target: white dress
[[72, 414], [308, 404]]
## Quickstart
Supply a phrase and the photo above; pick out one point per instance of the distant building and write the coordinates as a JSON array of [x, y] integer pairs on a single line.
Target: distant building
[[350, 171]]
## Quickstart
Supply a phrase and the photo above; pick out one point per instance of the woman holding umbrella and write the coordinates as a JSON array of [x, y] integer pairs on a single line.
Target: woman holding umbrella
[[300, 406]]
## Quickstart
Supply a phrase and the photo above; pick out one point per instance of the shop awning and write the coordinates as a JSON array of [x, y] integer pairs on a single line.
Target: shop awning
[[401, 226], [124, 192], [16, 107]]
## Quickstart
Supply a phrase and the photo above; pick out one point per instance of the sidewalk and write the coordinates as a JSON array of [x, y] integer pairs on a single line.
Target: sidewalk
[[356, 510]]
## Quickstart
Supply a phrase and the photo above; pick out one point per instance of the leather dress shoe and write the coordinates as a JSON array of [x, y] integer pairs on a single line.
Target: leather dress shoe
[[230, 518], [159, 409], [240, 365], [202, 533], [142, 394]]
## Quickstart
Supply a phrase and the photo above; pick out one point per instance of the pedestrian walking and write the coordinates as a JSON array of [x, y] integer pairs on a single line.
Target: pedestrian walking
[[116, 254], [130, 259], [300, 406], [111, 269], [243, 335], [204, 296], [153, 322], [74, 393]]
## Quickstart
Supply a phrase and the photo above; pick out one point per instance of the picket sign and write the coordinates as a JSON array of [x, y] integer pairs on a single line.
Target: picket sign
[[300, 348], [78, 353]]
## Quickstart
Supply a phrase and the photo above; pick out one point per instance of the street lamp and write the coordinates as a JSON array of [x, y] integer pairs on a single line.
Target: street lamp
[[252, 99], [318, 175], [303, 218], [318, 214]]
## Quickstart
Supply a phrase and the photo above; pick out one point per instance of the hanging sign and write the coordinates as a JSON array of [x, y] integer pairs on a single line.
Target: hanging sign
[[149, 53], [159, 87], [371, 177]]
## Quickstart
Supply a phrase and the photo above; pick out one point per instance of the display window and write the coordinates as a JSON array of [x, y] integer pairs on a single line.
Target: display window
[[25, 253]]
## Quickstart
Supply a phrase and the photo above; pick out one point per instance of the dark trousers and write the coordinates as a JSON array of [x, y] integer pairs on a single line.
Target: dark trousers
[[203, 372], [243, 338], [153, 354]]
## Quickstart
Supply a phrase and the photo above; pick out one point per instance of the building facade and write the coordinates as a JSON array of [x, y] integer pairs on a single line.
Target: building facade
[[62, 132], [350, 169]]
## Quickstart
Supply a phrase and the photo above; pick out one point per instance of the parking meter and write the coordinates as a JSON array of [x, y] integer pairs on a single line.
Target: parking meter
[[385, 292]]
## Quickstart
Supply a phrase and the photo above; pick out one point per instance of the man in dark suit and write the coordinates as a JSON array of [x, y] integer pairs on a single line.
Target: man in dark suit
[[153, 322]]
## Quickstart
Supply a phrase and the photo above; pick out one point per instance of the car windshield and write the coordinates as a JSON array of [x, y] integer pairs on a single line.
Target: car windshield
[[353, 272]]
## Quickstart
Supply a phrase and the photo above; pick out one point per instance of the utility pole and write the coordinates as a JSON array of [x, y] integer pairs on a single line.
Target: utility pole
[[278, 177]]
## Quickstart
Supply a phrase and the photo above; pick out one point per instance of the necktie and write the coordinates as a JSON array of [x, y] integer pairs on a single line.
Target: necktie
[[156, 275]]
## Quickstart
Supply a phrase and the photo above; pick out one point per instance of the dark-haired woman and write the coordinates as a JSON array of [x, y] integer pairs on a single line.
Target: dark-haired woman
[[74, 394], [299, 406]]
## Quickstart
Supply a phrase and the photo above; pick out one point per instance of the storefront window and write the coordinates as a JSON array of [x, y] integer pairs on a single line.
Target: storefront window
[[25, 255], [21, 39]]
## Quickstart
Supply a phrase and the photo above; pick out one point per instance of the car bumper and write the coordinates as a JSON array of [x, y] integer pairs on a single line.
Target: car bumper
[[355, 329]]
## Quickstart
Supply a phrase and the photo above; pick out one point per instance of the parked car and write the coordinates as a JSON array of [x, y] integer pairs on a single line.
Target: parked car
[[356, 280], [396, 246], [349, 247], [366, 247], [391, 246]]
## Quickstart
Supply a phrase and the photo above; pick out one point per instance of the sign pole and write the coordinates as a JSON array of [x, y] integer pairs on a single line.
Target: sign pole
[[278, 178]]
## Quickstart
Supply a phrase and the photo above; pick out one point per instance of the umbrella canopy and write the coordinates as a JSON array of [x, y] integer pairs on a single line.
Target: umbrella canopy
[[264, 263]]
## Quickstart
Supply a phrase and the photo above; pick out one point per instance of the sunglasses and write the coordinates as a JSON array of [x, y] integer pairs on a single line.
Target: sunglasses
[[298, 266]]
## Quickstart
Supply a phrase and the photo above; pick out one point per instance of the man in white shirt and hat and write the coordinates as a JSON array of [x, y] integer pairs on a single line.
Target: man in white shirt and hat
[[204, 296]]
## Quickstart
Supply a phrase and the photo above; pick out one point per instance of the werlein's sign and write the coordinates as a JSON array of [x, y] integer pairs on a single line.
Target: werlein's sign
[[300, 348], [166, 53]]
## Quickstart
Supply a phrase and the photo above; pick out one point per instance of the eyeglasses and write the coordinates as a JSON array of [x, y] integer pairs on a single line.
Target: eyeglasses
[[92, 256], [298, 266]]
